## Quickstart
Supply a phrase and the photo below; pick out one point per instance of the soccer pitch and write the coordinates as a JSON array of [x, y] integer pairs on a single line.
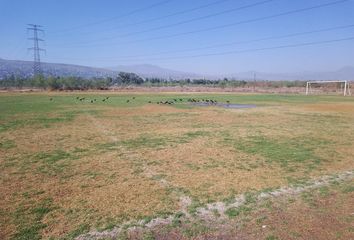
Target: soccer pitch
[[73, 163]]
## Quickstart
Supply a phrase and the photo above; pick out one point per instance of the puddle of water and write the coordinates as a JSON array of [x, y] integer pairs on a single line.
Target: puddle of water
[[226, 105]]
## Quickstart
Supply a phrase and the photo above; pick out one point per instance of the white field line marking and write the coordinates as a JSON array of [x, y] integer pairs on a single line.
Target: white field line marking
[[206, 213]]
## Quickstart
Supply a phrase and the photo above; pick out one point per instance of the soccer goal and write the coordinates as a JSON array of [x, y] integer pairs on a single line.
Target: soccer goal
[[313, 86]]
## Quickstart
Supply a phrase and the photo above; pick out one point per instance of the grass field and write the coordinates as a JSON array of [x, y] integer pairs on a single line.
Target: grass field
[[70, 166]]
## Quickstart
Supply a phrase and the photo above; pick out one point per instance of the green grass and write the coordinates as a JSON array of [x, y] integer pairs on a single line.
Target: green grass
[[288, 153], [234, 212], [150, 141], [271, 237], [148, 236], [39, 120], [53, 163], [177, 219], [83, 228], [193, 207], [348, 189], [7, 144], [40, 103], [20, 110], [145, 142], [195, 229], [28, 220]]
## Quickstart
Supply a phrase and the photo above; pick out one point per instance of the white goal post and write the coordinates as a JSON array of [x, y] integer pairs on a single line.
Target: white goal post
[[346, 89]]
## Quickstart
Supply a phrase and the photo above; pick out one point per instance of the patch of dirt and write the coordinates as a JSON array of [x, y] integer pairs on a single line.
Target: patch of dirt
[[145, 110], [330, 107]]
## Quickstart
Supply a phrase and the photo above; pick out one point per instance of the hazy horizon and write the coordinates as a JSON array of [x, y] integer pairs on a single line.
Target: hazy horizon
[[205, 37]]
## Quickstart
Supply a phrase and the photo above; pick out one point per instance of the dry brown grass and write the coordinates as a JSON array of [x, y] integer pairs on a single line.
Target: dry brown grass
[[330, 107], [208, 170], [322, 213], [319, 216], [110, 164]]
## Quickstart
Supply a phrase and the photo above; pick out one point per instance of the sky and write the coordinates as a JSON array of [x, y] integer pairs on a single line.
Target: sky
[[201, 36]]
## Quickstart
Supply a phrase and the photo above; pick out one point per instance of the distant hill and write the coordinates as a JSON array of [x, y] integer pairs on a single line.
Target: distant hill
[[146, 70], [24, 68], [150, 71]]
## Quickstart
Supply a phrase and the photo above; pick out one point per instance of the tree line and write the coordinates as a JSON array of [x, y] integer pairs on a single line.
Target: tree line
[[70, 83], [131, 79]]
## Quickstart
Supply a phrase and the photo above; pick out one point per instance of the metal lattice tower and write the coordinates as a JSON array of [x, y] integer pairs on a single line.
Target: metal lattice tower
[[37, 70]]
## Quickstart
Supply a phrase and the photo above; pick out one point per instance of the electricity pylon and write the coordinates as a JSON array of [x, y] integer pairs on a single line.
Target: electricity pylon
[[37, 70]]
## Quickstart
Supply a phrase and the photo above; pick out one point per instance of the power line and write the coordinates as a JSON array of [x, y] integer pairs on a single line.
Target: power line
[[246, 50], [246, 41], [36, 49], [188, 20], [234, 43], [177, 13], [116, 17], [245, 21], [183, 22], [224, 25], [200, 18], [165, 16], [258, 49], [266, 48]]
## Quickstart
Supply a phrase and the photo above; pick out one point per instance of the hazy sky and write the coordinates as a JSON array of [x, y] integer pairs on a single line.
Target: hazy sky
[[204, 36]]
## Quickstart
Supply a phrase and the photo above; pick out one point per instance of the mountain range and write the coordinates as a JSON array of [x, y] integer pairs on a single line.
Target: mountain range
[[24, 68], [151, 71]]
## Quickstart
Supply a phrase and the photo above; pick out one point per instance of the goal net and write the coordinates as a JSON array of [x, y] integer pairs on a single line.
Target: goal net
[[328, 87]]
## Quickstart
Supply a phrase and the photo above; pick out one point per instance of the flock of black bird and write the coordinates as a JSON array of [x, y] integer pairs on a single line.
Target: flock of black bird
[[190, 100], [81, 99], [165, 102]]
